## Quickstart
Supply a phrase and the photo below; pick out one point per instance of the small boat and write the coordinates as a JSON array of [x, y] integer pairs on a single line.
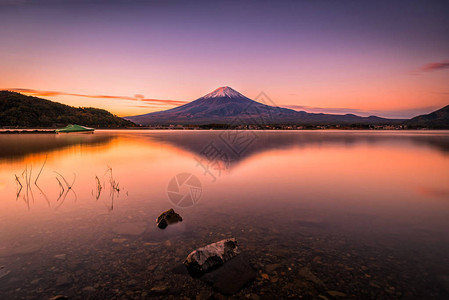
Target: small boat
[[75, 128]]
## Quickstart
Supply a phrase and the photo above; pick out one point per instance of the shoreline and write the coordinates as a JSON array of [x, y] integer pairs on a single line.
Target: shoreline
[[53, 131]]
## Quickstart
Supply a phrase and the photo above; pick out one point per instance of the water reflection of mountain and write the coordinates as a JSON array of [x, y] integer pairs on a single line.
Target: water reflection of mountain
[[231, 146], [14, 147]]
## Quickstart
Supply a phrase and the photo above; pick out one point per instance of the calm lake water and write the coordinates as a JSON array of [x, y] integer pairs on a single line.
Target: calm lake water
[[330, 214]]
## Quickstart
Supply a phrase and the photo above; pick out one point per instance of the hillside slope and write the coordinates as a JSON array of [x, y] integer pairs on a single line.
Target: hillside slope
[[17, 110], [438, 119]]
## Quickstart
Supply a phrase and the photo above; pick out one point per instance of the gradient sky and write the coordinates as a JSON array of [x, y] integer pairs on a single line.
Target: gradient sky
[[389, 58]]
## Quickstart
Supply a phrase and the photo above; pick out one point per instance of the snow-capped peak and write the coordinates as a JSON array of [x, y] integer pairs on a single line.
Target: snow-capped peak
[[224, 92]]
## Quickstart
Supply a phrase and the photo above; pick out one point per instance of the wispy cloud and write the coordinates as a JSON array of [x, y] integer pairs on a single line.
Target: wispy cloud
[[315, 109], [171, 102], [137, 97], [432, 192], [435, 66]]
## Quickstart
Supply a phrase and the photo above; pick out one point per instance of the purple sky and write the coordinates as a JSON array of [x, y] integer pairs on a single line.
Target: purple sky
[[389, 58]]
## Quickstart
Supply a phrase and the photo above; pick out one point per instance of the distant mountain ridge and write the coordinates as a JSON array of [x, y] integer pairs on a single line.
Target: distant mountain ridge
[[227, 106], [17, 110], [438, 119]]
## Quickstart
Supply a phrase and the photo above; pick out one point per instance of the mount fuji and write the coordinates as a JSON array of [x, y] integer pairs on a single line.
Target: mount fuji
[[227, 106]]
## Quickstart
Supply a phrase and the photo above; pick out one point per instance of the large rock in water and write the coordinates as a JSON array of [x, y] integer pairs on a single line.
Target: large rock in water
[[168, 217], [220, 265], [211, 256]]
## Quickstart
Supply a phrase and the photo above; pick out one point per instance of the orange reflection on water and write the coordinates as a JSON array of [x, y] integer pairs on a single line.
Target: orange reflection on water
[[390, 174]]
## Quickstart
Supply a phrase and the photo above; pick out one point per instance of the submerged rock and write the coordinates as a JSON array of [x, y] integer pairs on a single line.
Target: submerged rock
[[211, 256], [167, 218], [20, 249], [232, 276], [3, 271]]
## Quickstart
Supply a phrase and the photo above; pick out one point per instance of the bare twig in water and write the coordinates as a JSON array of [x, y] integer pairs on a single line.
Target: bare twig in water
[[35, 182], [74, 178], [63, 199], [76, 196], [26, 181], [69, 186], [31, 174], [28, 185], [112, 182], [18, 181], [19, 190], [114, 187], [43, 194], [66, 183], [62, 188], [99, 187]]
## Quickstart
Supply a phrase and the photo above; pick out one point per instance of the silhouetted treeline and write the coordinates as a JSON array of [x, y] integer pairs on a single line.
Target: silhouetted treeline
[[17, 110]]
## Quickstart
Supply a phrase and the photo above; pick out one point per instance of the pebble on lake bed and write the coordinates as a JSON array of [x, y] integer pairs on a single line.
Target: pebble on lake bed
[[167, 218], [211, 256]]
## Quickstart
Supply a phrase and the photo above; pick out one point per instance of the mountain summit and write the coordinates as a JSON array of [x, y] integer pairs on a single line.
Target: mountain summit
[[224, 92], [227, 106]]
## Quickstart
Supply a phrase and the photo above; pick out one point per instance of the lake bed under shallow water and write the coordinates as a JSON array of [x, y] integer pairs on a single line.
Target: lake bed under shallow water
[[333, 214]]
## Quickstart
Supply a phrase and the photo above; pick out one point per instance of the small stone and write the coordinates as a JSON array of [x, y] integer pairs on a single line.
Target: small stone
[[118, 241], [89, 289], [151, 268], [159, 289], [168, 243], [63, 280], [265, 276], [150, 244], [272, 267], [167, 218], [307, 274], [336, 294], [204, 295], [60, 256], [59, 297]]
